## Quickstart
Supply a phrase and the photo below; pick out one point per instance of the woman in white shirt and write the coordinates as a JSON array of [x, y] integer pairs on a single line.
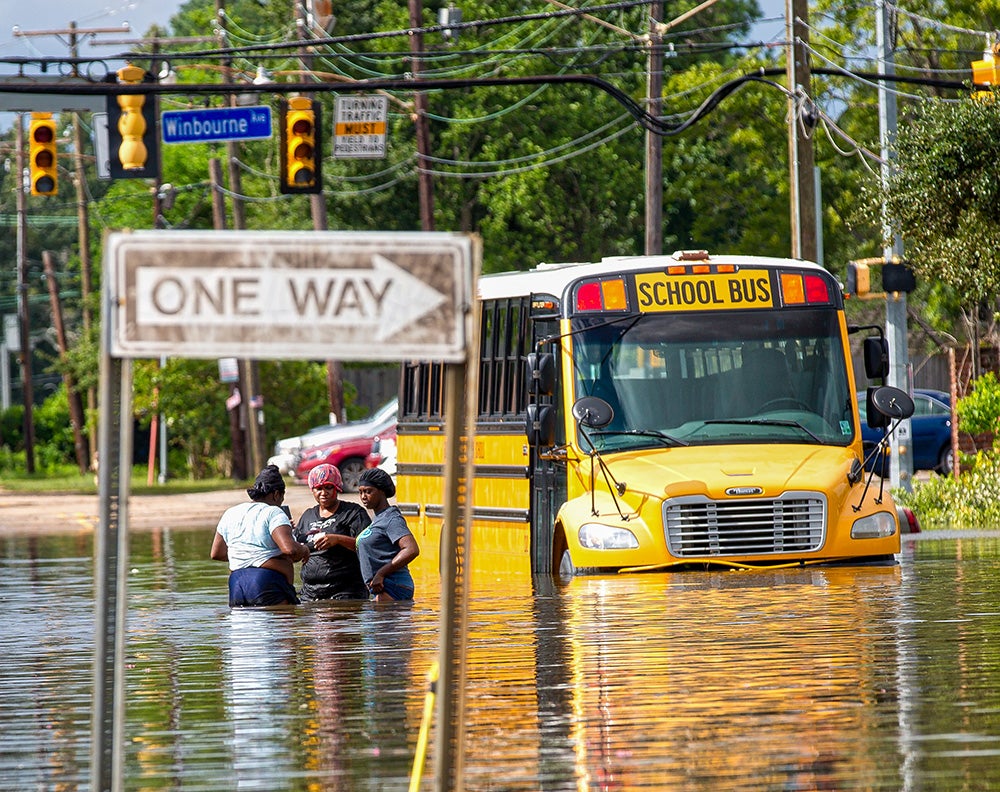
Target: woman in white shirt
[[256, 539]]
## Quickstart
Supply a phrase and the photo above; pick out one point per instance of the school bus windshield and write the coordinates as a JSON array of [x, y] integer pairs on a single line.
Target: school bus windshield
[[750, 377]]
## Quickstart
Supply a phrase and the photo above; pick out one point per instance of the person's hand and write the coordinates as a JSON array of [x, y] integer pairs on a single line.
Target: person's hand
[[377, 585], [322, 541]]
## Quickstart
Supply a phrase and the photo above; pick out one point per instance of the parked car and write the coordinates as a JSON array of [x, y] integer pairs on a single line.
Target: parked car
[[383, 455], [289, 451], [931, 432], [349, 449]]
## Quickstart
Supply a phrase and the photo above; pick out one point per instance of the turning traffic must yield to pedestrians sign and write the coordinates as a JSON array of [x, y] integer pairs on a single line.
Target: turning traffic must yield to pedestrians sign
[[290, 295]]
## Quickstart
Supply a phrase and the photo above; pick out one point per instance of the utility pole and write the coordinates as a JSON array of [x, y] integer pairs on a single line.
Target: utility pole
[[27, 393], [654, 142], [654, 106], [801, 158], [317, 203], [75, 402], [425, 185], [248, 368], [900, 460], [238, 389], [83, 236]]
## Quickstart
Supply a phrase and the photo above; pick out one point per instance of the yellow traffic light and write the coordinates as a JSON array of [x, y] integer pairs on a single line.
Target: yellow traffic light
[[132, 152], [986, 72], [300, 153], [43, 157], [858, 279]]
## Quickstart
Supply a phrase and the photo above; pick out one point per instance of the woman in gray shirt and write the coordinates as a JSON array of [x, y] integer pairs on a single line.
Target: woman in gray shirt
[[386, 547]]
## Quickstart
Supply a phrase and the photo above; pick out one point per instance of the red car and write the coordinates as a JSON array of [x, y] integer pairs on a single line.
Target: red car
[[349, 451]]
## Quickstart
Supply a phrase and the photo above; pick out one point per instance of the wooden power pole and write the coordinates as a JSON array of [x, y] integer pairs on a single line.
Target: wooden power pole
[[801, 157]]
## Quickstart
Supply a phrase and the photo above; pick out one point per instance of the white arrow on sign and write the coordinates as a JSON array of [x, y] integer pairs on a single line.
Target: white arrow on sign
[[382, 299]]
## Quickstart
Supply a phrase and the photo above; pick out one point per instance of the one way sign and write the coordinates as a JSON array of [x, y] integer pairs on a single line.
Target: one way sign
[[285, 295]]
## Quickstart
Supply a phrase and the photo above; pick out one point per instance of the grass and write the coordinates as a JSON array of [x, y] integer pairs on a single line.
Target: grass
[[68, 479]]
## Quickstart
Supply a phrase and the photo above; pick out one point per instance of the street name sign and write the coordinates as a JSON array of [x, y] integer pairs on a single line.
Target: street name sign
[[359, 129], [215, 123], [311, 295]]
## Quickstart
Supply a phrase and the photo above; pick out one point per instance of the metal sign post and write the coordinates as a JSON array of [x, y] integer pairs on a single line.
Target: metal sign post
[[277, 296]]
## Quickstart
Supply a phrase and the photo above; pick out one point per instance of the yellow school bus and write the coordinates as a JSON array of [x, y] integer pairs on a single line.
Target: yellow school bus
[[652, 412]]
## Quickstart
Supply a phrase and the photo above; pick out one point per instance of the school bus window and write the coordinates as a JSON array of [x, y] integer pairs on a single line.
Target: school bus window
[[422, 391], [486, 340], [503, 350]]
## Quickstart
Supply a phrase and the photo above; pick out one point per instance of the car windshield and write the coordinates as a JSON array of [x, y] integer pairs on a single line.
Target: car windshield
[[776, 376]]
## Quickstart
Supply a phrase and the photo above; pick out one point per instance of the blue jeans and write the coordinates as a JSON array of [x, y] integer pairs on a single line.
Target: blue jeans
[[399, 585]]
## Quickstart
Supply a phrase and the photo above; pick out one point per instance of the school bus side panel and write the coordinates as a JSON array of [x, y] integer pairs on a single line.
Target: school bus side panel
[[500, 538]]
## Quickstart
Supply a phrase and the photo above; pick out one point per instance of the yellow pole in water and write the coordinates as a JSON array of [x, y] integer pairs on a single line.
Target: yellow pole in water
[[425, 727]]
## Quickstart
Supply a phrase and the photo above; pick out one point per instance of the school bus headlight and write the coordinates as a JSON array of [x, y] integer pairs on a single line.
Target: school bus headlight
[[875, 526], [595, 536]]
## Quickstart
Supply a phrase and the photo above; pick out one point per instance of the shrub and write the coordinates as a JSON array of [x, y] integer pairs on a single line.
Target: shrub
[[979, 411], [971, 501]]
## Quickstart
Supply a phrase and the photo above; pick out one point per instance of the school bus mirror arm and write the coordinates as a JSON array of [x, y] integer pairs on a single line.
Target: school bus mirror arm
[[559, 454]]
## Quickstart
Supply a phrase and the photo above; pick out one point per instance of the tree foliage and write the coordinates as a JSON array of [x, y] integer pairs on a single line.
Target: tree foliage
[[945, 196], [543, 173]]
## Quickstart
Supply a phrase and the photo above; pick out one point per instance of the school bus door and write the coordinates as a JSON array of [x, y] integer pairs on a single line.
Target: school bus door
[[547, 474]]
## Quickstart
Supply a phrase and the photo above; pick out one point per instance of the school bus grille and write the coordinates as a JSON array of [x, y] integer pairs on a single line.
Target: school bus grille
[[697, 526]]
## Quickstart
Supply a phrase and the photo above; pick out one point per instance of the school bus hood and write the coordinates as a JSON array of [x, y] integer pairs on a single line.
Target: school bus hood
[[712, 470]]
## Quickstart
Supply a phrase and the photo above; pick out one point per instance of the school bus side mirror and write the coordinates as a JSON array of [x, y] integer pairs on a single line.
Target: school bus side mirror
[[891, 402], [593, 412], [540, 425], [541, 373], [876, 352]]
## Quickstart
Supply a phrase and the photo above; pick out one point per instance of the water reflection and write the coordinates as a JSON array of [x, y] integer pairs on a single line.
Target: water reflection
[[875, 678]]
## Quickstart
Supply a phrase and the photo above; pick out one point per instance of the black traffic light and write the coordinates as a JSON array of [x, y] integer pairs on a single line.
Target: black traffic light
[[898, 277], [301, 157], [132, 130], [42, 154]]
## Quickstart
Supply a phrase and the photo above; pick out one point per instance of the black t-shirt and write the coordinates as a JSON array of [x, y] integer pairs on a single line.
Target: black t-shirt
[[333, 573]]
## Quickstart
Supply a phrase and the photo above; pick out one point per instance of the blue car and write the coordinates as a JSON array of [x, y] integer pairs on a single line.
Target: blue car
[[930, 427]]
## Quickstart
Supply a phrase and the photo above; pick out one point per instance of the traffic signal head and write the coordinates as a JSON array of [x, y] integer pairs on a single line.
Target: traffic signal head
[[986, 72], [132, 152], [43, 155], [132, 129], [898, 277], [301, 159], [858, 279]]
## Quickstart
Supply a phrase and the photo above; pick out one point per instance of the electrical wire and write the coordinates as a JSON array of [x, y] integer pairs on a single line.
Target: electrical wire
[[870, 59], [546, 163], [937, 23], [541, 155], [859, 78]]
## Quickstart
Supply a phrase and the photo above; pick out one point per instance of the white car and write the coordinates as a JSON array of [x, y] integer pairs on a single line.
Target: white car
[[383, 455], [288, 451]]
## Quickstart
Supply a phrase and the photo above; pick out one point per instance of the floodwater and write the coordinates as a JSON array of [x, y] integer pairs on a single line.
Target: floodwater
[[805, 679]]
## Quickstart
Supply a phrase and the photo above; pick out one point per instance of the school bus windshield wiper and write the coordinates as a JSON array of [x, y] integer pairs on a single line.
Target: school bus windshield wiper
[[654, 433], [764, 422]]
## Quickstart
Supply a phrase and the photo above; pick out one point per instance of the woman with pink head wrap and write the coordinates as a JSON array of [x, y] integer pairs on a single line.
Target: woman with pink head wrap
[[330, 528]]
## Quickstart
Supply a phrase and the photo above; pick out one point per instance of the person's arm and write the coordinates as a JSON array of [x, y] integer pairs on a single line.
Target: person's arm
[[324, 541], [408, 550], [282, 536], [220, 550], [359, 521]]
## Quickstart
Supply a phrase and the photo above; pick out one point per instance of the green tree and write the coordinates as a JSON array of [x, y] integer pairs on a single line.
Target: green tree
[[944, 198]]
